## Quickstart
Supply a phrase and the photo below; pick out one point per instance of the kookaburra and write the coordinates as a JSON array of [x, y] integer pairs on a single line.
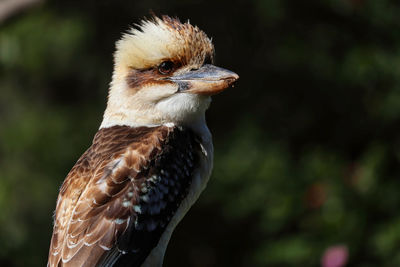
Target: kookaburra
[[152, 155]]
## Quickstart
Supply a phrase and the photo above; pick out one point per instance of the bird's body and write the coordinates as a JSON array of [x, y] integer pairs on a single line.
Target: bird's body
[[151, 157]]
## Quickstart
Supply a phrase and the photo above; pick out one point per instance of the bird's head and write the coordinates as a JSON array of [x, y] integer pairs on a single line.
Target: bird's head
[[163, 73]]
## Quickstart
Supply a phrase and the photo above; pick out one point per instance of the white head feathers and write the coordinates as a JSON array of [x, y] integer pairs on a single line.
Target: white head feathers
[[138, 95], [161, 38]]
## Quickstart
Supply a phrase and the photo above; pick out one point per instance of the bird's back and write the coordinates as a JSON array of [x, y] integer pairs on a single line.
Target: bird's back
[[121, 195]]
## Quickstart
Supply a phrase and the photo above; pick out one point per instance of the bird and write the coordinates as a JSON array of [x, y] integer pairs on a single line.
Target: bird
[[152, 155]]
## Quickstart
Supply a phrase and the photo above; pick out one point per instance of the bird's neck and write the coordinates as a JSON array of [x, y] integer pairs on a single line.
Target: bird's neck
[[133, 118], [125, 108], [127, 117]]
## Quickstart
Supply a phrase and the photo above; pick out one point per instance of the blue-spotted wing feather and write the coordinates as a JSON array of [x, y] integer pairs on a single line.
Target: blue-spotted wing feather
[[161, 192], [121, 194]]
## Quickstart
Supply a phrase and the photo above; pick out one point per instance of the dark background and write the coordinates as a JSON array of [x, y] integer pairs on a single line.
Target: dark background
[[307, 143]]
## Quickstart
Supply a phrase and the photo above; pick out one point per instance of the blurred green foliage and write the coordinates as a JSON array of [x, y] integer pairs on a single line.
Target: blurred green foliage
[[306, 144]]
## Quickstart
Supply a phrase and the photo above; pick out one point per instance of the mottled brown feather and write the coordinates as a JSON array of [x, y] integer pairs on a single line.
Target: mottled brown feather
[[92, 207], [195, 50], [197, 45]]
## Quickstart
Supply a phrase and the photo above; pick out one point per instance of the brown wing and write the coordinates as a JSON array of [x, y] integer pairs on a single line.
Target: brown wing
[[117, 199]]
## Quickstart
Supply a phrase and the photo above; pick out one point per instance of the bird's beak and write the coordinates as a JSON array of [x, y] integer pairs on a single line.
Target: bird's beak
[[207, 80]]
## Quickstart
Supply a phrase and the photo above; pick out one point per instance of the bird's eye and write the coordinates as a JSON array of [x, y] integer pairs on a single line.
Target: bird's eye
[[207, 59], [166, 67]]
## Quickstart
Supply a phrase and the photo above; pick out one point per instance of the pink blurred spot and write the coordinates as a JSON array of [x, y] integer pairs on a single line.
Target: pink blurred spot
[[335, 256]]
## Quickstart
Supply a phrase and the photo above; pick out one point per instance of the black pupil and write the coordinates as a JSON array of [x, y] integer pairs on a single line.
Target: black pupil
[[166, 67], [207, 60]]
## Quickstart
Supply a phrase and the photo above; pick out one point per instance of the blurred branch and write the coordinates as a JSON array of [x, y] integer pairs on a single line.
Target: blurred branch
[[9, 8]]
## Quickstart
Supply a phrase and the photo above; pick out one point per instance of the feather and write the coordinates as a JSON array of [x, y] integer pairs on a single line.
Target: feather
[[124, 203]]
